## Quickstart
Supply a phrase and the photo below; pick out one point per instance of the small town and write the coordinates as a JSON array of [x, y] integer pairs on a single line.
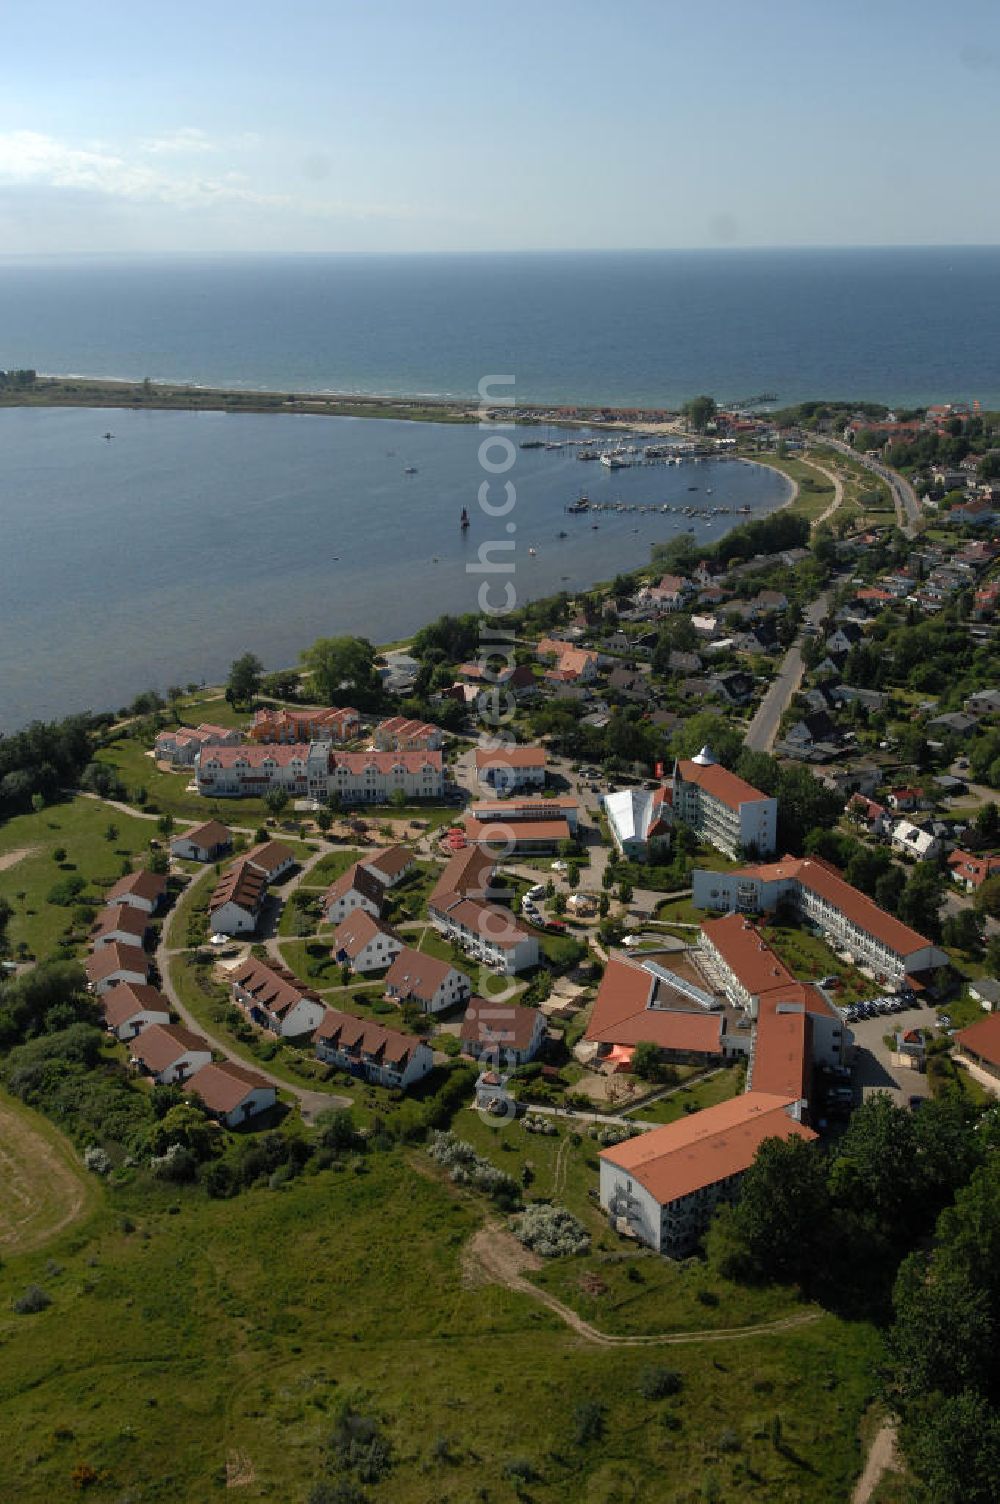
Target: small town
[[693, 959]]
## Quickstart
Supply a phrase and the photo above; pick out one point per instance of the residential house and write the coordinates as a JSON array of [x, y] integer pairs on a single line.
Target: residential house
[[364, 943], [904, 799], [386, 1057], [232, 1093], [979, 1045], [431, 984], [169, 1053], [287, 726], [984, 702], [140, 890], [399, 734], [202, 843], [507, 1035], [733, 687], [679, 662], [572, 665], [869, 813], [235, 906], [182, 745], [130, 1007], [357, 888], [120, 925], [812, 729], [273, 998], [391, 864], [843, 638], [489, 934], [986, 991], [273, 859], [238, 772], [114, 963], [506, 768], [971, 871], [913, 841], [373, 777]]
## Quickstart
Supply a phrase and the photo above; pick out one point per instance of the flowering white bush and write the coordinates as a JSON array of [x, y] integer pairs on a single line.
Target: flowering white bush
[[96, 1160], [551, 1231], [469, 1168]]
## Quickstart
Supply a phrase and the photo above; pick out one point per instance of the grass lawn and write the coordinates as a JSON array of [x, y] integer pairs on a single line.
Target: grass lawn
[[80, 826], [212, 710], [331, 866], [809, 957], [168, 792], [680, 911], [705, 1092], [43, 1185], [231, 1332], [408, 899]]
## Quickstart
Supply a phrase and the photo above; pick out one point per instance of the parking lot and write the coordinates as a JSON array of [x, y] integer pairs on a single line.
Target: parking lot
[[873, 1067]]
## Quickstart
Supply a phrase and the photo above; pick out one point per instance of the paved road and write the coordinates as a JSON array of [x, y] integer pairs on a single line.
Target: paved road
[[764, 726]]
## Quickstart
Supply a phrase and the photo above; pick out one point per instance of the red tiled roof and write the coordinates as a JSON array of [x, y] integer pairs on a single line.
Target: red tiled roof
[[414, 974], [824, 880], [361, 1036], [222, 1086], [720, 783], [148, 885], [108, 959], [705, 1147], [469, 874], [243, 885], [353, 933], [511, 757], [207, 835], [782, 1055], [161, 1044], [495, 925], [391, 861], [502, 1024], [356, 879], [746, 953], [253, 756], [126, 999], [622, 1015], [274, 988], [384, 762], [982, 1038], [270, 855], [120, 918]]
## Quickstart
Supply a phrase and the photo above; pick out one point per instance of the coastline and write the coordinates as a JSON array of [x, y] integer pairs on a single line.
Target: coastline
[[108, 392]]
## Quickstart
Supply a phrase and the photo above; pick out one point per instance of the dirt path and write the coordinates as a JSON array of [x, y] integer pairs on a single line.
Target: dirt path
[[838, 491], [11, 858], [494, 1256], [42, 1189], [882, 1458]]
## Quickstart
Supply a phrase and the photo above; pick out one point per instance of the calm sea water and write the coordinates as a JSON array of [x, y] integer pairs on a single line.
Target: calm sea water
[[904, 326], [192, 537]]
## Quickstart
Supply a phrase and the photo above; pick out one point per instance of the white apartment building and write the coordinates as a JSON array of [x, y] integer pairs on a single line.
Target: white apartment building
[[722, 809]]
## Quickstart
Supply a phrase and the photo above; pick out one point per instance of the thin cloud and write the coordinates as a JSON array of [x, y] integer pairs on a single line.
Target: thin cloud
[[31, 158]]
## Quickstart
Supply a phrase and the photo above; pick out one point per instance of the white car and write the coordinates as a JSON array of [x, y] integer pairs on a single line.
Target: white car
[[219, 940], [538, 891], [560, 866]]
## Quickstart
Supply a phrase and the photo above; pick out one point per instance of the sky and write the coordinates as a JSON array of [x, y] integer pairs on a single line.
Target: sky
[[391, 125]]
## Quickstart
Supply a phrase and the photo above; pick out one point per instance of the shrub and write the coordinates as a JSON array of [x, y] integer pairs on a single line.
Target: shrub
[[551, 1231], [469, 1168], [31, 1302], [588, 1422], [96, 1160], [659, 1383]]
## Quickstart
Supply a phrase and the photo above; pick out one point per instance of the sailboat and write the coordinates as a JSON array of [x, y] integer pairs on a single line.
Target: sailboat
[[464, 520]]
